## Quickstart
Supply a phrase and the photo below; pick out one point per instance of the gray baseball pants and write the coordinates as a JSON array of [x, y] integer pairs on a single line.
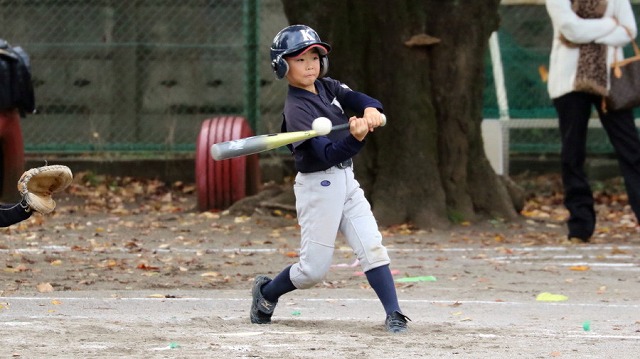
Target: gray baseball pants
[[327, 202]]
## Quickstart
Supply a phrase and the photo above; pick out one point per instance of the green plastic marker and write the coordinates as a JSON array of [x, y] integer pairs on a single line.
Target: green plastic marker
[[426, 278]]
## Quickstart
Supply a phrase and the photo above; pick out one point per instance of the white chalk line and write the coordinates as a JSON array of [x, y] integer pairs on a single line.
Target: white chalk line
[[253, 334], [341, 249], [623, 265], [315, 300], [563, 335], [573, 256], [478, 335], [554, 260]]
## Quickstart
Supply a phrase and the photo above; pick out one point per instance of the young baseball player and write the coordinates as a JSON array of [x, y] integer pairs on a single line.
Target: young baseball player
[[328, 197]]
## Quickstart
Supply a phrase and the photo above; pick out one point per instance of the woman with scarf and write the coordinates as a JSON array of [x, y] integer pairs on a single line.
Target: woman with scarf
[[587, 36]]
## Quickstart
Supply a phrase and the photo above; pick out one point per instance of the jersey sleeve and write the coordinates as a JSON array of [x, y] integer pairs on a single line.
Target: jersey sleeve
[[353, 100]]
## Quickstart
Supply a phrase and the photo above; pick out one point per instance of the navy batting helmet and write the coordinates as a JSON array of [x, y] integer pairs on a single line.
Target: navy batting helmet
[[292, 41]]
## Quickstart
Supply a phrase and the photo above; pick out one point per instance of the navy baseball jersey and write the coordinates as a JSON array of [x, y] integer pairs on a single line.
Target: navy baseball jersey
[[333, 99]]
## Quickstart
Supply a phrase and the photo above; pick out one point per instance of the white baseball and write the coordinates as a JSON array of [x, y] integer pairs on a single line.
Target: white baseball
[[322, 125]]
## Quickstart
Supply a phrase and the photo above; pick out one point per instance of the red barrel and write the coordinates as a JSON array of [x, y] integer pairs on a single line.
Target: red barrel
[[245, 170], [11, 155], [222, 183], [202, 146]]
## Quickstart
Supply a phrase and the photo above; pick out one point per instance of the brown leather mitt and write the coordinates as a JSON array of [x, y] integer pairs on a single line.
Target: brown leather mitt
[[38, 184]]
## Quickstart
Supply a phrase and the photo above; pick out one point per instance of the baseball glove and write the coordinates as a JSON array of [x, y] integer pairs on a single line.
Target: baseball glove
[[38, 184]]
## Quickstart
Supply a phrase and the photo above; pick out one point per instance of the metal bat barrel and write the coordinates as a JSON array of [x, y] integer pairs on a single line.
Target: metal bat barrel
[[256, 144], [250, 145]]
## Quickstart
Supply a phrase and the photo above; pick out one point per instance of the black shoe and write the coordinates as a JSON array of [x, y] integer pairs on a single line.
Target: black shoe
[[261, 309], [396, 322], [577, 240]]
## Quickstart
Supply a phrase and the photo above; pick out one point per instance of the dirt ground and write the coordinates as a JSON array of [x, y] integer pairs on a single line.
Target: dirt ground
[[129, 268]]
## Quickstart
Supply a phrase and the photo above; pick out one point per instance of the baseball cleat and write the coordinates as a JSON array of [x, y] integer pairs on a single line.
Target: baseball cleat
[[261, 309], [396, 322]]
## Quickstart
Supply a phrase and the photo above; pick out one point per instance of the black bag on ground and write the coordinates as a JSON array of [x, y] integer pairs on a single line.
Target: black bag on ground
[[16, 88]]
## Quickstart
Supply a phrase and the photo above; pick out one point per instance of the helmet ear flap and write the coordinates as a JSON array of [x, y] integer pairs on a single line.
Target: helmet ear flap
[[324, 65], [280, 67]]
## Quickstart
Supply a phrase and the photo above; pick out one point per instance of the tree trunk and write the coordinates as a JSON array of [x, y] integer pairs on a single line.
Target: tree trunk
[[428, 165]]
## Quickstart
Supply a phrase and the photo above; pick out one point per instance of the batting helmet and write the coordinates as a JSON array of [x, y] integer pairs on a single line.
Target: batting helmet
[[292, 41]]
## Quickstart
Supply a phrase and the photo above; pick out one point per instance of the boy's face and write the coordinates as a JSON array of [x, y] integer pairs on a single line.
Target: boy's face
[[304, 70]]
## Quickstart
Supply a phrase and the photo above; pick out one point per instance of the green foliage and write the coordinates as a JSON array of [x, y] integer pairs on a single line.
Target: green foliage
[[455, 216]]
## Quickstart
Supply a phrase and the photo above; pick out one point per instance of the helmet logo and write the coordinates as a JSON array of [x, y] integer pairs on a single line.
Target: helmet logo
[[308, 35]]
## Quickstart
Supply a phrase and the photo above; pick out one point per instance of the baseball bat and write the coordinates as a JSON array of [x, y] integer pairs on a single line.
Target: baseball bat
[[256, 144]]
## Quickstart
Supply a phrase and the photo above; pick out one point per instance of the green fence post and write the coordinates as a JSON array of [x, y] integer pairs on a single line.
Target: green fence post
[[251, 81]]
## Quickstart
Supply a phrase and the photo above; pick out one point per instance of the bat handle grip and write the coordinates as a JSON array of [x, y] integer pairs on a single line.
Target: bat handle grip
[[345, 126]]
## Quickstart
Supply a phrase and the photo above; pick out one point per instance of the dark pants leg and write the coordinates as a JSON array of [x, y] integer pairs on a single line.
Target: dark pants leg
[[574, 110], [623, 135]]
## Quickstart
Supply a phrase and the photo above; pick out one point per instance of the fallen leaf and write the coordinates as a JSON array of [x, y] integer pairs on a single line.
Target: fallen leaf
[[156, 296], [44, 288], [579, 268], [544, 73], [145, 266], [210, 274]]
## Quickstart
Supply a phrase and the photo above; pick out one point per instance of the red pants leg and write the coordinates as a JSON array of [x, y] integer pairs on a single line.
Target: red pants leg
[[11, 155]]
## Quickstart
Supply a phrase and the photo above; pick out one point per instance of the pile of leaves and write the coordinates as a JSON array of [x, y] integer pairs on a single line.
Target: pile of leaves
[[91, 193], [152, 198], [615, 219]]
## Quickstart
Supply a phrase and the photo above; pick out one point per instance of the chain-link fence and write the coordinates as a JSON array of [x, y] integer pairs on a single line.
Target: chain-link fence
[[142, 75], [137, 75]]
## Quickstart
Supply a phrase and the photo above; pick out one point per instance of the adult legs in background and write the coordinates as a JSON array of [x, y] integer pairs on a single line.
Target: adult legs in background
[[574, 110], [623, 135]]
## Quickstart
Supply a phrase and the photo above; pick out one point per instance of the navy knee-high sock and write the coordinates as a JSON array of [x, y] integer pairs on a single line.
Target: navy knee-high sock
[[381, 281], [280, 285]]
